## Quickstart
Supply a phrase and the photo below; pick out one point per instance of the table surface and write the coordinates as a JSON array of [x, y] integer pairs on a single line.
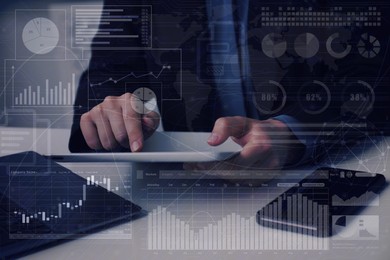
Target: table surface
[[200, 207]]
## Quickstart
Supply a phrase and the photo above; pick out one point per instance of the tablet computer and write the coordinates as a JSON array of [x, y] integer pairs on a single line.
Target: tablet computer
[[164, 147], [43, 203]]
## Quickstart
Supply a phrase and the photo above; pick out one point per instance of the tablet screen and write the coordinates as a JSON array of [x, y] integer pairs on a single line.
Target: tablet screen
[[42, 200]]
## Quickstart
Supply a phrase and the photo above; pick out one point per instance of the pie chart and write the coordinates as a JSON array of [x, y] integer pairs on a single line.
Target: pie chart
[[143, 101], [340, 227], [306, 45], [273, 45], [40, 35], [368, 46]]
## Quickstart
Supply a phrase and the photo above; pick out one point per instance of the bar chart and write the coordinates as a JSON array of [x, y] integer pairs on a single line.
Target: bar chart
[[61, 94], [102, 181], [49, 90], [48, 216], [233, 232], [110, 27], [224, 218], [302, 216], [99, 175], [51, 201]]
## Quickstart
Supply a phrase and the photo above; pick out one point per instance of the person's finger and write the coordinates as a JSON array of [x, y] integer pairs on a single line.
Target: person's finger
[[255, 153], [113, 112], [150, 123], [90, 133], [132, 121], [225, 127], [248, 160], [106, 136]]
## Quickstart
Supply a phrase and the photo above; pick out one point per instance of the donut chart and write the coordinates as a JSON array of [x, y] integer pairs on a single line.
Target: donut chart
[[314, 97], [271, 97], [330, 47]]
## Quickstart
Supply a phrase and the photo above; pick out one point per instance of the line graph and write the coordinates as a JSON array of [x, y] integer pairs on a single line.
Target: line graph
[[129, 70], [134, 75], [54, 198]]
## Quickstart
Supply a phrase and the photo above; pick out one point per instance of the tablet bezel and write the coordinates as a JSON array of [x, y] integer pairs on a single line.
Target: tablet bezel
[[164, 147]]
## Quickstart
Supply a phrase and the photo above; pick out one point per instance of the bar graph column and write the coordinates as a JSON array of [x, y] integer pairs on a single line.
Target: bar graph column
[[306, 222], [306, 230], [61, 94]]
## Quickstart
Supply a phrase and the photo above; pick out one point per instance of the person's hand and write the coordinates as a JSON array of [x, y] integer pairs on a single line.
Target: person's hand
[[267, 144], [113, 124]]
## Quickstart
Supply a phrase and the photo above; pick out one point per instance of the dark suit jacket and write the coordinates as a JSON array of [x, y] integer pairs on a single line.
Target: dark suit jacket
[[186, 97]]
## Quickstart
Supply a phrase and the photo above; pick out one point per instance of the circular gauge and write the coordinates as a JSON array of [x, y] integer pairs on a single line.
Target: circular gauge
[[336, 48], [143, 100], [271, 98], [314, 97], [40, 35], [306, 45], [358, 98], [273, 45], [368, 46]]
